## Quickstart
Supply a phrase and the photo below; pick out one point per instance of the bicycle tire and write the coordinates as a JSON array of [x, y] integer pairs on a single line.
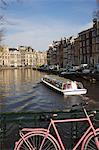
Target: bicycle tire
[[34, 142], [89, 143]]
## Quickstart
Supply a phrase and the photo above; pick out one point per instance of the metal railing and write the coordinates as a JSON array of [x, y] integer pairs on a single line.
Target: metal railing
[[11, 123]]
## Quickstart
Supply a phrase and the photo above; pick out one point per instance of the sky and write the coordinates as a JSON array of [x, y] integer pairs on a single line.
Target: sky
[[37, 23]]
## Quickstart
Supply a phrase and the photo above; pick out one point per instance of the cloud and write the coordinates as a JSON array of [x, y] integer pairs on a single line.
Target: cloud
[[87, 26], [39, 34]]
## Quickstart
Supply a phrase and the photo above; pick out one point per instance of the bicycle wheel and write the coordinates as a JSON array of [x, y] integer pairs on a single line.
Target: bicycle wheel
[[90, 143], [33, 142]]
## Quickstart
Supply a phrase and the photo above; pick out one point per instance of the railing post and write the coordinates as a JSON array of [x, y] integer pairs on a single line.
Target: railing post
[[73, 130], [2, 130]]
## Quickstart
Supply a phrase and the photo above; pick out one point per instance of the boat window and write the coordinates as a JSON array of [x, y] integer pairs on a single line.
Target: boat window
[[54, 82], [64, 86], [68, 85], [79, 85]]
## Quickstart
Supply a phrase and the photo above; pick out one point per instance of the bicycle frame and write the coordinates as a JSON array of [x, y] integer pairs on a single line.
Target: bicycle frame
[[90, 128], [46, 132]]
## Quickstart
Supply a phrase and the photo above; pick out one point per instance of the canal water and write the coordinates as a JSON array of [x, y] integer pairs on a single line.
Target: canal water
[[21, 90]]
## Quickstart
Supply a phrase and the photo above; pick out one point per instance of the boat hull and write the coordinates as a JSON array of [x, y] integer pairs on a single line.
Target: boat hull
[[75, 92]]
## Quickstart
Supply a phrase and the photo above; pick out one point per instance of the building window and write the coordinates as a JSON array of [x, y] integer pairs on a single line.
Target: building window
[[94, 33], [97, 39], [93, 40], [97, 47], [87, 42], [97, 31]]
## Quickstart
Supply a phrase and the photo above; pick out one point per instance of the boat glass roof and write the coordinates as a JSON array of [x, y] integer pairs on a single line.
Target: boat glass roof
[[55, 77]]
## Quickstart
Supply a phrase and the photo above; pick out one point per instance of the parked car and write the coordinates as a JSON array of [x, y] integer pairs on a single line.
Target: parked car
[[73, 69], [86, 71], [64, 71], [97, 67]]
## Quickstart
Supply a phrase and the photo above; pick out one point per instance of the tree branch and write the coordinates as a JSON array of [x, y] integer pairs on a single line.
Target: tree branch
[[4, 2]]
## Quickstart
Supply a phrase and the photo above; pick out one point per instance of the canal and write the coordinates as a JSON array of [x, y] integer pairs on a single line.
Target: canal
[[22, 91]]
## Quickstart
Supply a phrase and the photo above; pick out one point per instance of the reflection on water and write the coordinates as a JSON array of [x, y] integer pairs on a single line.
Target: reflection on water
[[21, 90], [18, 76]]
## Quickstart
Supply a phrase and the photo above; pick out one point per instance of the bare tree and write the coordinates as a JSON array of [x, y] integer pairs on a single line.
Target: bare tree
[[1, 29], [4, 2], [96, 14], [3, 5]]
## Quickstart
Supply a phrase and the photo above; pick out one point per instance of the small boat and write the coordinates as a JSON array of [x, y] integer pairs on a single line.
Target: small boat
[[65, 86]]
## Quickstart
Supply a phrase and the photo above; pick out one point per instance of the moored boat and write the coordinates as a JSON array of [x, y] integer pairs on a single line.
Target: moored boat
[[65, 86]]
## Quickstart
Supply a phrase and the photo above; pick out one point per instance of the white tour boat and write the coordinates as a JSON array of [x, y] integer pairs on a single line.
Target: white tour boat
[[65, 86]]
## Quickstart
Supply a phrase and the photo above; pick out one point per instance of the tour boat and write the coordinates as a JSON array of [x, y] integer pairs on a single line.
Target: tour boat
[[65, 86]]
